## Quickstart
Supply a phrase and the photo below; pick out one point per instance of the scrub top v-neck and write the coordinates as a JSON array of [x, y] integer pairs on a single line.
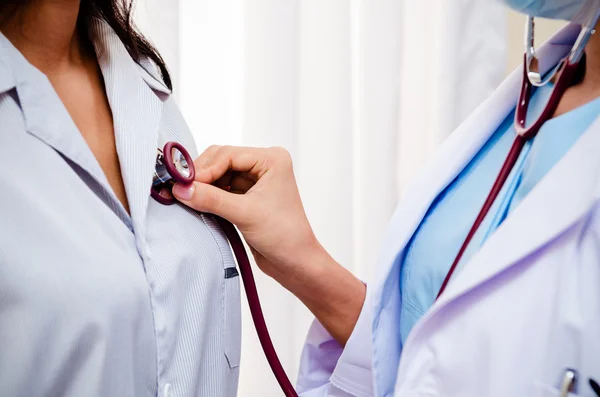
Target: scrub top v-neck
[[437, 240]]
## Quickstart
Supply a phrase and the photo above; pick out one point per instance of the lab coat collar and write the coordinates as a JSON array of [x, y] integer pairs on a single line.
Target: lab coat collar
[[560, 199], [557, 202], [457, 151], [564, 197]]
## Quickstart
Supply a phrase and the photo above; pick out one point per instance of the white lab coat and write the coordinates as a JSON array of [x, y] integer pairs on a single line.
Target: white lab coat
[[526, 306]]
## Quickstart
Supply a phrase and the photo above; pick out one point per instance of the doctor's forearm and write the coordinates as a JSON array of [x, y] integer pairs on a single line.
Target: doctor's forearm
[[333, 294], [255, 189]]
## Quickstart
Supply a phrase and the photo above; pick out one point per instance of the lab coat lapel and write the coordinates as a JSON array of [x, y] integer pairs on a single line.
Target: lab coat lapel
[[457, 151], [560, 199], [551, 207], [453, 156], [137, 111]]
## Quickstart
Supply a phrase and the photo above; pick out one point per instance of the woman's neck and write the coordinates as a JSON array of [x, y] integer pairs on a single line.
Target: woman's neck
[[45, 32]]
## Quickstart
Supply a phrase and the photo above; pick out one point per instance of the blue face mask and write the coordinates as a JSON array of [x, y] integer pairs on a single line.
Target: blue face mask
[[554, 9]]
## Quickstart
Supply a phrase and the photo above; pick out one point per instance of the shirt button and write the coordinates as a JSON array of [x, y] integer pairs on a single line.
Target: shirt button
[[167, 392]]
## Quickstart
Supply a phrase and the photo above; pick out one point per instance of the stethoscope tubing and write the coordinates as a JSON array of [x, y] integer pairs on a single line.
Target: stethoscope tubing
[[255, 307], [567, 75], [567, 71], [243, 261]]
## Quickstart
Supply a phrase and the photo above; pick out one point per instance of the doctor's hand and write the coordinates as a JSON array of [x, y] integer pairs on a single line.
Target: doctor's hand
[[255, 189]]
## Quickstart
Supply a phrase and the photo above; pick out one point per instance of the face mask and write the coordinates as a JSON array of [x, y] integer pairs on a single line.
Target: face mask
[[568, 10]]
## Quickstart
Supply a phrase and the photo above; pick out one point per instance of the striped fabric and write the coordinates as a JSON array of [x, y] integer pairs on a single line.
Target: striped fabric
[[93, 301]]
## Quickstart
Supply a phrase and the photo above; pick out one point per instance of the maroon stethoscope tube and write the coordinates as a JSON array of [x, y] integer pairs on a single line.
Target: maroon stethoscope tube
[[567, 76], [175, 165], [255, 308]]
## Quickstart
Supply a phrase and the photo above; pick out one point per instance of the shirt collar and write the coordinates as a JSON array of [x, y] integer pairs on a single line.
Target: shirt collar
[[109, 47], [11, 61], [6, 78], [135, 93], [152, 77]]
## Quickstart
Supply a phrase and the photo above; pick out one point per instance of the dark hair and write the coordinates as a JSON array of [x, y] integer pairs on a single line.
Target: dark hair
[[117, 13]]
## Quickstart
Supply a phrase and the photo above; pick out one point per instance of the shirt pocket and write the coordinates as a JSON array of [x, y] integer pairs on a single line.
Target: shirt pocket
[[232, 315], [231, 301]]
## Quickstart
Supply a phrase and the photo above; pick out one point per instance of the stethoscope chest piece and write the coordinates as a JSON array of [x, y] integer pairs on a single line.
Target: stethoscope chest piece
[[173, 165]]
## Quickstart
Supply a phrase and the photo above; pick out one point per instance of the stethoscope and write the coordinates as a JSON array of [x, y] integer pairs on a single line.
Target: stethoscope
[[174, 165], [568, 70]]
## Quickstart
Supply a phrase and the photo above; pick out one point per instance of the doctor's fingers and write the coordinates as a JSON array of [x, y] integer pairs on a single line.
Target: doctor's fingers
[[254, 162], [240, 184], [212, 199], [202, 160], [235, 181], [216, 162]]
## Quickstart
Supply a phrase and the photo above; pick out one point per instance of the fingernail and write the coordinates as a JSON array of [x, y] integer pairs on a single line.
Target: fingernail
[[183, 192]]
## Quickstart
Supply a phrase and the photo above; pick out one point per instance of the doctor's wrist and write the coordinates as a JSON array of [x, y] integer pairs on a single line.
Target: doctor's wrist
[[331, 292]]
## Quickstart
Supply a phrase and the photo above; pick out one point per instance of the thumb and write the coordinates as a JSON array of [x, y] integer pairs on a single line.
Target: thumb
[[208, 198]]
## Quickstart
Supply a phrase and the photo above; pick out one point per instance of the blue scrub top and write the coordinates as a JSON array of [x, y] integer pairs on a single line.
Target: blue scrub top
[[436, 242]]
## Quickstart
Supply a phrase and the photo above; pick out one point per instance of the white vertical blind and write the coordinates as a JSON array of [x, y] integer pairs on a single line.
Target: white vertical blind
[[160, 21], [211, 67], [453, 57], [376, 60], [359, 91], [270, 106]]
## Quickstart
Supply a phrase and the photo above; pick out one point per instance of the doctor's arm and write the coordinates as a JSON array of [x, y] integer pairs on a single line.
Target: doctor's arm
[[255, 189]]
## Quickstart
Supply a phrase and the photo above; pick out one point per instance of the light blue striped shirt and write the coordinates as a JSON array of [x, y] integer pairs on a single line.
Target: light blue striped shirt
[[93, 301], [436, 242]]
